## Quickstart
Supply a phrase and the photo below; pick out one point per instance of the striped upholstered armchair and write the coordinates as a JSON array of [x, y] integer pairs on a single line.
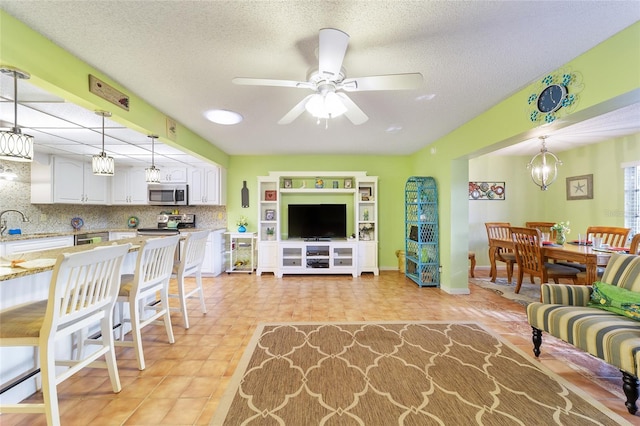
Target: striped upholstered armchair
[[610, 331]]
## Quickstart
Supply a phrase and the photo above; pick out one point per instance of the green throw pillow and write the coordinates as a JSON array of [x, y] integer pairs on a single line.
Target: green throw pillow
[[616, 299]]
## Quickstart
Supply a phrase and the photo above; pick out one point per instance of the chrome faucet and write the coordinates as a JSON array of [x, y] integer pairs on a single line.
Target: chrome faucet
[[3, 222]]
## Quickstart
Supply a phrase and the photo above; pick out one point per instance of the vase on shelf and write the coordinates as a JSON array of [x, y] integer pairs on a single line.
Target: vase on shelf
[[242, 229], [561, 238]]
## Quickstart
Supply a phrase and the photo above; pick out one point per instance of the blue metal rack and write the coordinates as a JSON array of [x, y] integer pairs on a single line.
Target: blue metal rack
[[422, 253]]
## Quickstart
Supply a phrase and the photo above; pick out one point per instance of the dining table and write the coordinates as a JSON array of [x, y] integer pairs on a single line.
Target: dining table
[[580, 253]]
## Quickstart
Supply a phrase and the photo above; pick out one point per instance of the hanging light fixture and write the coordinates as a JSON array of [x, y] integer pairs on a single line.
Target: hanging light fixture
[[326, 103], [152, 173], [544, 167], [14, 145], [102, 164]]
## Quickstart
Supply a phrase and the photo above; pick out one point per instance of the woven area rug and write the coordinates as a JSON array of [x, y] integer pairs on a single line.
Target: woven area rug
[[397, 373], [528, 292]]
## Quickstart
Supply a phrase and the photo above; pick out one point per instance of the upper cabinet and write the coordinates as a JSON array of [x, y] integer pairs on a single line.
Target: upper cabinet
[[205, 186], [67, 181], [129, 186], [173, 174]]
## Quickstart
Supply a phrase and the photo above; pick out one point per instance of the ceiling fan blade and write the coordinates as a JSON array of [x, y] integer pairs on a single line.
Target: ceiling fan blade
[[353, 113], [295, 111], [247, 81], [383, 82], [333, 46]]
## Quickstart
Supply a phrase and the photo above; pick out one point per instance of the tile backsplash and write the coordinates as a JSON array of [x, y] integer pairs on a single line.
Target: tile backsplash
[[45, 218]]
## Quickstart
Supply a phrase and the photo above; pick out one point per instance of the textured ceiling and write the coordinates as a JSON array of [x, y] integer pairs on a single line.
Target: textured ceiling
[[180, 56]]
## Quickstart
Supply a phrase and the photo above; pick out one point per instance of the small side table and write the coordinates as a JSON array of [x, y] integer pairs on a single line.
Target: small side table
[[240, 251]]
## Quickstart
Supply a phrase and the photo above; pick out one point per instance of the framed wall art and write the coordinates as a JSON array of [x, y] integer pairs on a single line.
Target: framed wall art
[[487, 191], [580, 187], [270, 195]]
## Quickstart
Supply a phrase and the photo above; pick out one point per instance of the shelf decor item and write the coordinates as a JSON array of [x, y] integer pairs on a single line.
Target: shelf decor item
[[270, 215], [288, 183], [270, 195], [347, 183], [319, 183], [242, 224]]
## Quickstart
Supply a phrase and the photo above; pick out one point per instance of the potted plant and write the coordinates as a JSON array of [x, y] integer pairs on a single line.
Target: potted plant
[[242, 224], [270, 233]]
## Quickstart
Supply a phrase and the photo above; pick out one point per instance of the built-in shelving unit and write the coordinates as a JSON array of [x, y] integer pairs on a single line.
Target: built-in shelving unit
[[354, 255], [422, 255]]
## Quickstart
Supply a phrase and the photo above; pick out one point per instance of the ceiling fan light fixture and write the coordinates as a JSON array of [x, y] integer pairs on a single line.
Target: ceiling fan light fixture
[[544, 167], [102, 164], [14, 145], [152, 174], [223, 116], [325, 106]]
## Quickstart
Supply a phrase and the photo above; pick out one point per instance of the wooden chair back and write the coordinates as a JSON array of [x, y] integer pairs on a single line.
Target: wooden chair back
[[634, 248], [543, 227], [498, 230], [528, 248], [614, 236]]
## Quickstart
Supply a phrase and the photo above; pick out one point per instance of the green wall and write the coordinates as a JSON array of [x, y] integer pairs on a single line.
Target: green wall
[[392, 174], [611, 77]]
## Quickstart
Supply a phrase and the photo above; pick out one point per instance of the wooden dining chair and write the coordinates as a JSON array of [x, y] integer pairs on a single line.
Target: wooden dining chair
[[543, 227], [612, 235], [82, 294], [500, 231], [528, 250]]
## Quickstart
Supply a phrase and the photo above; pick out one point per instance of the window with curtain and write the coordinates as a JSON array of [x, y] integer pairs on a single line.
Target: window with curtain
[[632, 197]]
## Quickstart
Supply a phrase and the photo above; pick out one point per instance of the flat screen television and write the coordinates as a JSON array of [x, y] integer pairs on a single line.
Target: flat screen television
[[317, 221]]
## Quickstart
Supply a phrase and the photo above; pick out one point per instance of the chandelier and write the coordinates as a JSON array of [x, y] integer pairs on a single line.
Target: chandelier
[[544, 167], [14, 145], [102, 164], [152, 174]]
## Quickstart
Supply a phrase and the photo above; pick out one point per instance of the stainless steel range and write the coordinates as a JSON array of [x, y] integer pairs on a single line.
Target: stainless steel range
[[170, 224]]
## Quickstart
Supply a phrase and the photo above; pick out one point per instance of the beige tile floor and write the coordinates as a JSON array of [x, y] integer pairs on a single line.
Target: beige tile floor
[[183, 382]]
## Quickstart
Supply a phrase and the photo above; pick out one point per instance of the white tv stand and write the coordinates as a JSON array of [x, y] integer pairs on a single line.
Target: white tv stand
[[318, 257]]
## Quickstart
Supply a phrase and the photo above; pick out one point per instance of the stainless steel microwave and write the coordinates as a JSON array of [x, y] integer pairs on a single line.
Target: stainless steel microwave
[[168, 195]]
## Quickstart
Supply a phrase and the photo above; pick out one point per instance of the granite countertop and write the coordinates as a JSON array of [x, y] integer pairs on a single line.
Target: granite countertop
[[42, 261], [46, 258], [20, 237]]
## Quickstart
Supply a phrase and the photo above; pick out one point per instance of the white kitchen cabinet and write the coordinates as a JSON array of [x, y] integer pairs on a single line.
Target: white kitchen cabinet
[[67, 181], [173, 174], [129, 186], [204, 186]]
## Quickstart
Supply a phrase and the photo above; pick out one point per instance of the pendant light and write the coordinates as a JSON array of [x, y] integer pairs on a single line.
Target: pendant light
[[102, 164], [152, 173], [14, 145], [544, 167]]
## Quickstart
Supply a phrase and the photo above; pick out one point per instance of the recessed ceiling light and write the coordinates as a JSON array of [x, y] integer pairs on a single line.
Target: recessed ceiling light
[[426, 97], [223, 116]]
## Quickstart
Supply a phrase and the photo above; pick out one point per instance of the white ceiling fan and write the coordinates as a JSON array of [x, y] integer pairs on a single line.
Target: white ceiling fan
[[328, 83]]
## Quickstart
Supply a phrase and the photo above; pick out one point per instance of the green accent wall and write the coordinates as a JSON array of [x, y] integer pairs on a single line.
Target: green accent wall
[[392, 172]]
